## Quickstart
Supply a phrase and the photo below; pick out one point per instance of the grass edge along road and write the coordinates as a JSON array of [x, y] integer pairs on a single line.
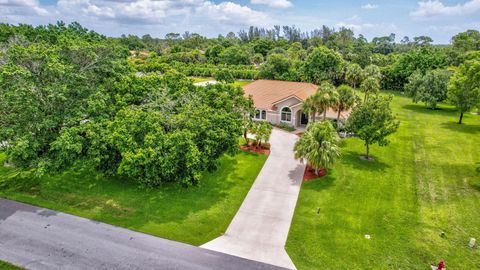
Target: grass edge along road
[[192, 215]]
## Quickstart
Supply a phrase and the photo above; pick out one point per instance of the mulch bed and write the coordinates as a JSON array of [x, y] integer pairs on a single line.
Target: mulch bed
[[255, 149], [310, 174]]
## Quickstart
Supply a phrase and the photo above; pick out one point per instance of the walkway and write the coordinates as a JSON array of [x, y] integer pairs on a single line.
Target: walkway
[[37, 238], [260, 228]]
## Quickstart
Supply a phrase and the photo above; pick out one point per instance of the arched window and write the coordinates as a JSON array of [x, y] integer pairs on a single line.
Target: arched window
[[264, 115], [286, 115]]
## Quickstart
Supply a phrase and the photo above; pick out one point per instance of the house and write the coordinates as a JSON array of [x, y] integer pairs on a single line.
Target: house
[[281, 102]]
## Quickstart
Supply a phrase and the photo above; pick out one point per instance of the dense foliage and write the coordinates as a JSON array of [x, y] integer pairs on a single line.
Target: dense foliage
[[287, 53], [67, 95]]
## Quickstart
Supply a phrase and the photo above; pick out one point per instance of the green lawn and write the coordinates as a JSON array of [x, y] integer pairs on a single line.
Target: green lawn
[[192, 215], [8, 266], [204, 79], [201, 79], [241, 83], [423, 183]]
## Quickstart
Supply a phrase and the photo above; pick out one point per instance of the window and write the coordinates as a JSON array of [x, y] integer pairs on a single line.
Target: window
[[286, 115], [260, 115]]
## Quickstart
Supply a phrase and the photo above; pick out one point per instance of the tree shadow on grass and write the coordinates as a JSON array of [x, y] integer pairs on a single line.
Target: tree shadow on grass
[[156, 211], [320, 184], [353, 159], [419, 108], [465, 127]]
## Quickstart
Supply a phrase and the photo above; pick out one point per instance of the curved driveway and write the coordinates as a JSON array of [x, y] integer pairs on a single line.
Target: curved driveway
[[260, 228]]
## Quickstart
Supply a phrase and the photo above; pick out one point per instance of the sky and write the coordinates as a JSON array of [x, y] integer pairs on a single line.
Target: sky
[[439, 19]]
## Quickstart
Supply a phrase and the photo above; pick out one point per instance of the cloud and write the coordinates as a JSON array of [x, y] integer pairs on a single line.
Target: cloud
[[435, 8], [21, 7], [273, 3], [232, 13], [370, 6]]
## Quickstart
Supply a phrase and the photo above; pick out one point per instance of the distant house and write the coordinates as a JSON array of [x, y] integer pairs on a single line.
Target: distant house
[[281, 102]]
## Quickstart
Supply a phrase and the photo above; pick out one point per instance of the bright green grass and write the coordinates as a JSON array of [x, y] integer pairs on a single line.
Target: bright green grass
[[192, 215], [8, 266], [423, 183], [204, 79], [242, 83], [201, 79]]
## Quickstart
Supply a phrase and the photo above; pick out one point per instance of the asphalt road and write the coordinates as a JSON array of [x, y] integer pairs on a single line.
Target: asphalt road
[[38, 238]]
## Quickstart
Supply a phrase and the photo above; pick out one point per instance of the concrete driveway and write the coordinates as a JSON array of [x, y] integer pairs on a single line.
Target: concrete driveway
[[260, 228], [37, 238]]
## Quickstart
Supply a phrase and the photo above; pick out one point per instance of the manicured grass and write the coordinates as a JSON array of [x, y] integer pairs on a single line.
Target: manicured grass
[[192, 215], [8, 266], [423, 183]]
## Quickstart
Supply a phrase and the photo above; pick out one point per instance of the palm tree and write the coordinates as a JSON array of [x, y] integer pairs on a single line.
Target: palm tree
[[373, 71], [354, 75], [325, 98], [309, 107], [371, 85], [346, 100], [318, 145]]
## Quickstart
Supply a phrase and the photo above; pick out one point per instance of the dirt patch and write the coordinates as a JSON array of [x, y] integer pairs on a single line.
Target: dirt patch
[[255, 149], [310, 174], [363, 157]]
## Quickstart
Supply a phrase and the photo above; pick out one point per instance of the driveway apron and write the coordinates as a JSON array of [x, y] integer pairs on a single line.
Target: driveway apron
[[260, 228]]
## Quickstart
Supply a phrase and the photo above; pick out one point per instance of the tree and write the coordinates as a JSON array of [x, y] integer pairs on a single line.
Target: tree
[[354, 75], [345, 101], [321, 65], [224, 75], [464, 87], [275, 67], [262, 131], [373, 71], [309, 106], [325, 97], [257, 59], [236, 55], [370, 86], [318, 145], [430, 89], [467, 41], [372, 122]]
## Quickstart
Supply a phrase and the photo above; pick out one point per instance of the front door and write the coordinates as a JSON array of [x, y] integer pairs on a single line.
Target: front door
[[304, 119]]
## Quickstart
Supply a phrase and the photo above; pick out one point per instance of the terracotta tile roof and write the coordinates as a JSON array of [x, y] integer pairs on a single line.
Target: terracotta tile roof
[[267, 92]]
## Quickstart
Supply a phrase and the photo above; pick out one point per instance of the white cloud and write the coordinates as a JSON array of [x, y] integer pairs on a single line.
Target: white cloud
[[273, 3], [234, 14], [370, 6], [435, 8], [19, 7]]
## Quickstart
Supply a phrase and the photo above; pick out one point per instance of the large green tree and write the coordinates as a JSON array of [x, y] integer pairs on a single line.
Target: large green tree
[[321, 64], [464, 87], [430, 88], [372, 122]]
